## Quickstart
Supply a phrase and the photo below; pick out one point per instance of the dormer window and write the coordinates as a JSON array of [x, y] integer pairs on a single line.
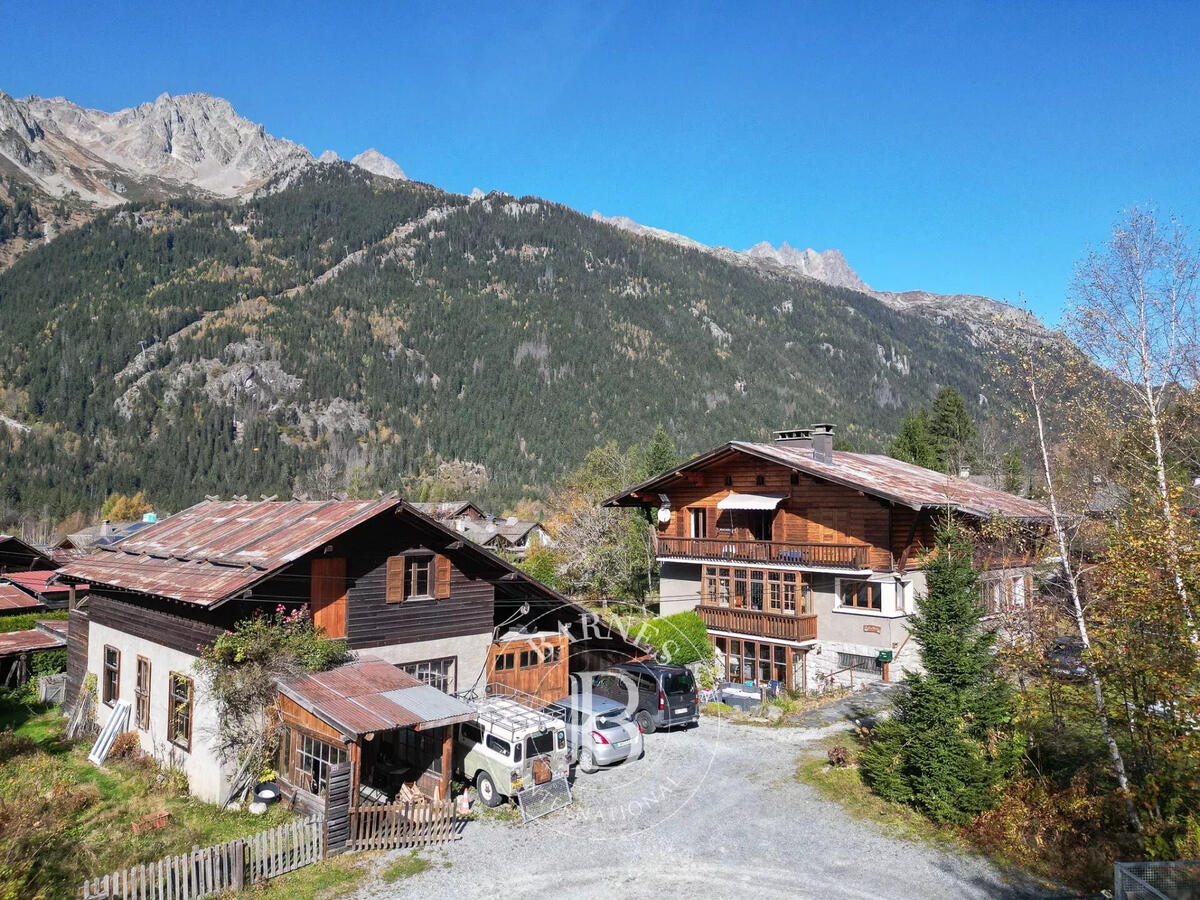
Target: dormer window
[[760, 480], [728, 481]]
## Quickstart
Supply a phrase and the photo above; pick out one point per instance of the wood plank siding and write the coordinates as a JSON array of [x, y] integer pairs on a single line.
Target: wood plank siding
[[77, 655], [462, 604], [860, 531], [158, 620]]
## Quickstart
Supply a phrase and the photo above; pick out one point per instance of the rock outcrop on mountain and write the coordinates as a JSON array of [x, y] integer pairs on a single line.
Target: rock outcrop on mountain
[[828, 266], [377, 164], [188, 144]]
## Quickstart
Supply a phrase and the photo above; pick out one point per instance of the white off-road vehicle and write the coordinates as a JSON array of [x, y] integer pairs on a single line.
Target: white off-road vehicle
[[516, 749]]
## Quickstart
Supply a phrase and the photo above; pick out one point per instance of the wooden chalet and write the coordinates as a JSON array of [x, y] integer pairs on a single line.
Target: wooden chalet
[[403, 590], [804, 562]]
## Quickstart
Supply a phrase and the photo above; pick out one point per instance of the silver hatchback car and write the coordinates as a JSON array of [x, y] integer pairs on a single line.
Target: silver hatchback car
[[599, 731]]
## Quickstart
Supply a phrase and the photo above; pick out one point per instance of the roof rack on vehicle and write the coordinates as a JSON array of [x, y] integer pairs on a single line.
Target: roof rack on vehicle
[[508, 709]]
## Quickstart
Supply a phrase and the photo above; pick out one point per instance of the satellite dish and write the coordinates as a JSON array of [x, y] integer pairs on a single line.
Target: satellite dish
[[664, 514]]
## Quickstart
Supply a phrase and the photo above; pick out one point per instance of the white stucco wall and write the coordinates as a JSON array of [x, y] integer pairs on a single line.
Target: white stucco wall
[[207, 778], [678, 587], [471, 650]]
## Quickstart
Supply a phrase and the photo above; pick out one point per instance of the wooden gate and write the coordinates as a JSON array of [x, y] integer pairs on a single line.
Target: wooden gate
[[337, 808], [400, 825]]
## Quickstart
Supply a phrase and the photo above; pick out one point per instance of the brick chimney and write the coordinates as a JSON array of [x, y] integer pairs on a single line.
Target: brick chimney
[[795, 438], [822, 442]]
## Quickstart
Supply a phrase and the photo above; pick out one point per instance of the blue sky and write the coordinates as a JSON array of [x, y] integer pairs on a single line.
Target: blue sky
[[957, 147]]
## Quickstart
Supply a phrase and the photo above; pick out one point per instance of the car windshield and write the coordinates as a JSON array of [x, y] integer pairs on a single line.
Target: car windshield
[[679, 683], [542, 742]]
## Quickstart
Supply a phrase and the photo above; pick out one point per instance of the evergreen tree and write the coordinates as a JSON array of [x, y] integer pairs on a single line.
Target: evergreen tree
[[951, 429], [949, 747], [913, 443], [660, 453], [1012, 472]]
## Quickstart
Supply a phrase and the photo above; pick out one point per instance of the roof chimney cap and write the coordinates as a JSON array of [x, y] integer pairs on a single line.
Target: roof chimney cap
[[822, 442], [798, 436]]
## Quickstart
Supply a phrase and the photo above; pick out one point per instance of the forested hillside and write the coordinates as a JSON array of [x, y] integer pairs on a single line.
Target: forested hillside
[[342, 331]]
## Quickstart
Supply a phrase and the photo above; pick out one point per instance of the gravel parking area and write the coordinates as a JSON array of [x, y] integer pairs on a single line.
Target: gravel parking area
[[709, 812]]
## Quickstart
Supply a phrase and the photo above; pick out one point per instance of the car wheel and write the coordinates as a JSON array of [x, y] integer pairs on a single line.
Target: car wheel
[[646, 721], [487, 790], [587, 762]]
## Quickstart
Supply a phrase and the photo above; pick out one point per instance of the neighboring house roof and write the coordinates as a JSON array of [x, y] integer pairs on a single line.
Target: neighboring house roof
[[369, 695], [44, 637], [877, 475], [448, 509], [13, 599], [10, 545], [39, 581], [486, 533]]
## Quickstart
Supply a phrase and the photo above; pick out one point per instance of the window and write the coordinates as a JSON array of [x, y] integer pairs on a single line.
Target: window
[[864, 665], [551, 655], [1017, 591], [739, 587], [314, 759], [993, 596], [504, 662], [501, 747], [529, 659], [418, 749], [728, 481], [759, 523], [179, 722], [756, 590], [789, 593], [438, 673], [469, 732], [862, 594], [141, 691], [795, 478], [699, 522], [773, 596], [759, 480], [112, 675], [417, 571]]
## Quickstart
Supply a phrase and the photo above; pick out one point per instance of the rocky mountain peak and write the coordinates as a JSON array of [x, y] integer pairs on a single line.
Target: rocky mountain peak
[[829, 266], [174, 144], [377, 164]]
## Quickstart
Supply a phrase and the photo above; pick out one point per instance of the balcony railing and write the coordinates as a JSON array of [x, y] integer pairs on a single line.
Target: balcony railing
[[825, 556], [759, 624]]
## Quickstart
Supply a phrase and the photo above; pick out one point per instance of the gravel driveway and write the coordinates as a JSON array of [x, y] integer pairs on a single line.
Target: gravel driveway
[[710, 812]]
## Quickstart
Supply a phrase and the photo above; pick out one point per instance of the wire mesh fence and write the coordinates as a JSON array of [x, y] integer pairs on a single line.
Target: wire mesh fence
[[1174, 880]]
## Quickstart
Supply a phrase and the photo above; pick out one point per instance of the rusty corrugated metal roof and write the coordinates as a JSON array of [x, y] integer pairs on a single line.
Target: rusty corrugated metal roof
[[215, 549], [877, 475], [39, 581], [13, 599], [367, 695], [15, 642]]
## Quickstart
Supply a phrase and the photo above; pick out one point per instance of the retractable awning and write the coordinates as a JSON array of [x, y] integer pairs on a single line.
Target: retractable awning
[[751, 501]]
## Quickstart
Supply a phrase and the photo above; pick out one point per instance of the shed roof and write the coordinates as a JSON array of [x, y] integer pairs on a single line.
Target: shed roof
[[14, 642], [369, 695], [216, 549], [39, 581], [880, 476], [13, 599]]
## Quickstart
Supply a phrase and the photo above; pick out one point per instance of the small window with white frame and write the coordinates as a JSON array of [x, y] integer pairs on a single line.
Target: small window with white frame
[[864, 595]]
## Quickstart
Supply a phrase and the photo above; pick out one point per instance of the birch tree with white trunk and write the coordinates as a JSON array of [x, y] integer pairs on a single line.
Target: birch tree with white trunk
[[1133, 312]]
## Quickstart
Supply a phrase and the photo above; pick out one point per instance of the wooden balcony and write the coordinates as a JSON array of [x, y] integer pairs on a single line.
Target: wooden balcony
[[759, 624], [818, 556]]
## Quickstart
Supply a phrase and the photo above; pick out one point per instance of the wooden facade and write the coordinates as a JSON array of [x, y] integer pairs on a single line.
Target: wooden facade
[[817, 523], [534, 664]]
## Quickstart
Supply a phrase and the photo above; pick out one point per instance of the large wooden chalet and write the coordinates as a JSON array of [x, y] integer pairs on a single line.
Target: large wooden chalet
[[421, 607], [803, 561]]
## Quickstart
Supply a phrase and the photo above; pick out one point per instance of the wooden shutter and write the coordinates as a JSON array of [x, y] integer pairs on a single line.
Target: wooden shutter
[[441, 577], [395, 579]]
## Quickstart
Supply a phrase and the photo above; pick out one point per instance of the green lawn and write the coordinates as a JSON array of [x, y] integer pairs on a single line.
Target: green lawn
[[63, 819]]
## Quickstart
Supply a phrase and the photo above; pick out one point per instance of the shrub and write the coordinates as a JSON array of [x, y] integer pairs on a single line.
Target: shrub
[[126, 745], [840, 757], [14, 745], [680, 638]]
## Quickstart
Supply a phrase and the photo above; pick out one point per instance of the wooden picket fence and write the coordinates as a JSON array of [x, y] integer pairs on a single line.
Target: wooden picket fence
[[231, 866], [399, 825]]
